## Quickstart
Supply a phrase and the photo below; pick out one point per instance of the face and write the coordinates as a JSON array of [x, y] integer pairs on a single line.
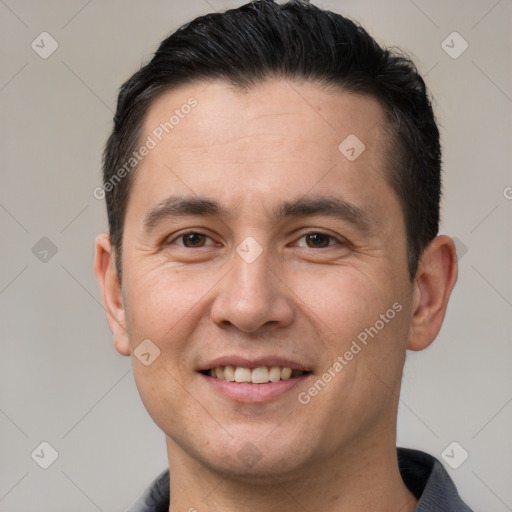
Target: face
[[254, 241]]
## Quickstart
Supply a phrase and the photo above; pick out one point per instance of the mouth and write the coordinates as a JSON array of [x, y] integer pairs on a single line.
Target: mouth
[[258, 375], [253, 380]]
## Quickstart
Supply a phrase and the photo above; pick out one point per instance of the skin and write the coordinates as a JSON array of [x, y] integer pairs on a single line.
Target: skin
[[251, 152]]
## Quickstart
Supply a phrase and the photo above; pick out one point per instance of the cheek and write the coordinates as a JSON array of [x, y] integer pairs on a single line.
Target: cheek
[[162, 302], [345, 300], [160, 394], [364, 322], [360, 316], [164, 308]]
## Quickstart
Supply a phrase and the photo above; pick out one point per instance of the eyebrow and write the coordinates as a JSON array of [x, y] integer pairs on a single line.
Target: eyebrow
[[179, 206], [330, 207], [175, 206]]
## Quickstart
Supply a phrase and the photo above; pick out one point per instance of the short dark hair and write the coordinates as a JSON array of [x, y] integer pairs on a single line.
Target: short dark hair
[[296, 40]]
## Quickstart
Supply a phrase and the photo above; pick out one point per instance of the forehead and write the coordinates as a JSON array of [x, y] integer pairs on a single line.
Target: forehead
[[224, 114], [278, 137]]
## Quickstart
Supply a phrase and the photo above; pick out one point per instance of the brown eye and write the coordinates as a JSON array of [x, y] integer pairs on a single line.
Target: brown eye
[[193, 240], [317, 240]]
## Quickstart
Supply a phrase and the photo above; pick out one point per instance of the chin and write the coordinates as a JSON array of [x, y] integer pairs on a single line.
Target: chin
[[251, 454]]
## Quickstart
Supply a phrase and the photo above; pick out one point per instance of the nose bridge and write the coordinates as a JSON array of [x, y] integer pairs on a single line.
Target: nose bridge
[[251, 295], [252, 276]]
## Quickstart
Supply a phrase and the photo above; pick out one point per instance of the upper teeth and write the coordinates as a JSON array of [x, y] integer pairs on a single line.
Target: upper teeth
[[259, 375]]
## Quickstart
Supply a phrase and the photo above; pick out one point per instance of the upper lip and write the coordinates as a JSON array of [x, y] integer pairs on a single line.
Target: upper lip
[[253, 362]]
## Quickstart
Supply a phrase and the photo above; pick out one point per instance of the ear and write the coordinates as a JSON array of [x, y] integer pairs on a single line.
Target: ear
[[105, 271], [435, 279]]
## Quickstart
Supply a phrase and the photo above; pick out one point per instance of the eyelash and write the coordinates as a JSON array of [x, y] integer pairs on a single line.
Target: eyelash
[[331, 238]]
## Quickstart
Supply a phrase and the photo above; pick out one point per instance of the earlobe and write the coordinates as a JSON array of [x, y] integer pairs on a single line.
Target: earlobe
[[106, 274], [435, 279]]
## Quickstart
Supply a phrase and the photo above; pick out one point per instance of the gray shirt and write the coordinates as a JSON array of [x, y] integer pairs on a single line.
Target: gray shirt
[[423, 475]]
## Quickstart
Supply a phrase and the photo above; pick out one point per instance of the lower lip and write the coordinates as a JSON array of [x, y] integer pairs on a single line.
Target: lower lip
[[255, 393]]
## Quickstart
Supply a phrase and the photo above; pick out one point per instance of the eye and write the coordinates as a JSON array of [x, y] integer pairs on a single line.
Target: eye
[[193, 240], [316, 240]]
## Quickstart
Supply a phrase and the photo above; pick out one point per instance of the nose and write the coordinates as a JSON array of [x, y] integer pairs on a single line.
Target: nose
[[252, 296]]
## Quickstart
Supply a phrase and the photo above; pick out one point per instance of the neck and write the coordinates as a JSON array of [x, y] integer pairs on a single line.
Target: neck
[[355, 480]]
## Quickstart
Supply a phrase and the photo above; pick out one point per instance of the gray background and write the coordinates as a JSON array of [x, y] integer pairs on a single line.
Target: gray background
[[61, 380]]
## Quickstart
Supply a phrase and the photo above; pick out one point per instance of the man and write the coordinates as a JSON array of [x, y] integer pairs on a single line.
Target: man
[[272, 185]]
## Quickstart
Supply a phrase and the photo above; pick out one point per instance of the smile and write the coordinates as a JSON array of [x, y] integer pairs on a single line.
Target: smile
[[260, 375]]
